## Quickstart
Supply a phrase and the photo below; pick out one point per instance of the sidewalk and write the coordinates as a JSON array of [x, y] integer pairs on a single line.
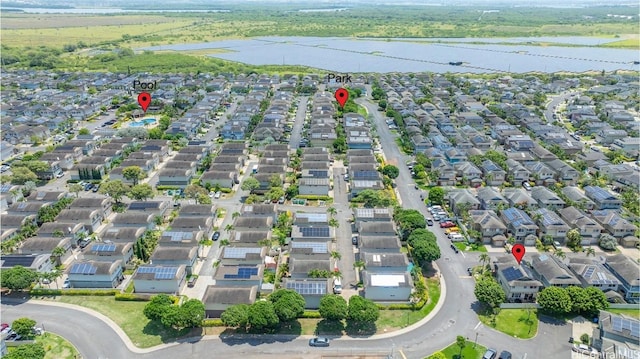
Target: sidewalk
[[127, 341]]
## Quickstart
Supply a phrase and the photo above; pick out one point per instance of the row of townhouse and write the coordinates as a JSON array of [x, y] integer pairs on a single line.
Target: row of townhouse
[[615, 275]]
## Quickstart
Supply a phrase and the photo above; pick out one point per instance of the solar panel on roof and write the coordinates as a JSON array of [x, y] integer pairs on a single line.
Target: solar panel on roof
[[5, 188], [511, 273], [306, 288], [315, 231], [160, 272], [239, 253], [142, 205], [103, 247], [243, 273], [316, 247], [589, 272], [83, 268]]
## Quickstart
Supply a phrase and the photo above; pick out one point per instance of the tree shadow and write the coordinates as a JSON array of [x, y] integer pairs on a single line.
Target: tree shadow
[[329, 327], [360, 329], [169, 335], [231, 336]]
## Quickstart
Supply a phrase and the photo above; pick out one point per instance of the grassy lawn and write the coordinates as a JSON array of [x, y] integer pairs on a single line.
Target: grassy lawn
[[468, 352], [396, 319], [513, 322], [633, 313], [128, 315], [470, 247], [57, 347]]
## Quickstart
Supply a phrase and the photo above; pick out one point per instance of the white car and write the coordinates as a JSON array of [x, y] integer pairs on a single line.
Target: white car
[[66, 284]]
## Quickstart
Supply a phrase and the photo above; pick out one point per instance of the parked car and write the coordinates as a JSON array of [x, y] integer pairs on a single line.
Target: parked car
[[319, 342], [66, 284], [354, 240], [88, 186], [281, 200], [217, 195], [470, 271], [447, 224], [526, 186], [505, 355], [436, 218], [95, 188], [429, 222], [490, 354], [215, 236], [451, 230], [192, 281]]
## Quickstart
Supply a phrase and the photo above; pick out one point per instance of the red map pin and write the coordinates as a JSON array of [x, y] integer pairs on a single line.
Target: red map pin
[[144, 99], [518, 252], [342, 95]]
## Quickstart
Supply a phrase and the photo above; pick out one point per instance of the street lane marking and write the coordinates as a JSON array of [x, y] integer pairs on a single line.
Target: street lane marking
[[477, 325], [401, 353]]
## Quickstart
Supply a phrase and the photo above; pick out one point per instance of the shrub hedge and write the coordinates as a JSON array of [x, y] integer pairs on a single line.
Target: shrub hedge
[[311, 314], [212, 323], [93, 292]]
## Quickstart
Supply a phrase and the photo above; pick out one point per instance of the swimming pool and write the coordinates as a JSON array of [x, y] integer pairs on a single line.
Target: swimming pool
[[145, 122]]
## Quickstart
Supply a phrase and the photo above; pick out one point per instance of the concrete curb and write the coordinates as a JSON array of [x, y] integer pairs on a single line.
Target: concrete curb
[[134, 349]]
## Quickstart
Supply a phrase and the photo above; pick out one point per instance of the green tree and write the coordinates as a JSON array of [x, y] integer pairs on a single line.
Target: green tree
[[262, 315], [489, 292], [193, 313], [292, 191], [250, 184], [391, 171], [274, 193], [133, 173], [461, 342], [236, 316], [288, 304], [18, 278], [195, 191], [20, 175], [157, 306], [84, 131], [24, 327], [27, 351], [596, 301], [425, 252], [408, 220], [333, 307], [555, 300], [362, 310], [579, 299], [275, 181], [373, 198], [115, 189], [607, 242], [75, 188], [436, 195], [573, 239], [141, 192]]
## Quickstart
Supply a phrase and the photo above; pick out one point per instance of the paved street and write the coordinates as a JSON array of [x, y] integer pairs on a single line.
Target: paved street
[[296, 132]]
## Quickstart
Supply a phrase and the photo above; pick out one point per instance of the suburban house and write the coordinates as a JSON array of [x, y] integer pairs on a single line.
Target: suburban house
[[551, 225], [218, 298], [314, 186], [520, 225], [577, 196], [490, 198], [387, 287], [92, 219], [376, 229], [547, 198], [592, 273], [602, 198], [372, 215], [175, 256], [313, 233], [616, 336], [40, 263], [550, 271], [518, 197], [379, 244], [159, 279], [109, 252], [385, 262], [95, 274], [239, 276], [613, 223], [626, 270], [590, 230], [493, 174], [517, 281], [492, 229], [312, 290], [243, 255]]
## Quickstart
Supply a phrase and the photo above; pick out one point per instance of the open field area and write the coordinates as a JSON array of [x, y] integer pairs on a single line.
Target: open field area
[[514, 322], [382, 22]]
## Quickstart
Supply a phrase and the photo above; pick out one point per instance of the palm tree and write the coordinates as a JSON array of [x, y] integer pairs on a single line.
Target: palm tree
[[334, 223], [57, 253], [359, 265], [484, 259], [235, 215], [229, 227], [336, 255], [560, 254], [332, 211], [590, 252]]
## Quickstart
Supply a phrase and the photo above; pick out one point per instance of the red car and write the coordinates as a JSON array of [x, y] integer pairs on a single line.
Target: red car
[[447, 224]]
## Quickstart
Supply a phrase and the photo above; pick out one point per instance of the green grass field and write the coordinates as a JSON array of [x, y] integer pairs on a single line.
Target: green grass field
[[514, 322], [57, 347], [128, 315], [633, 313], [468, 352]]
